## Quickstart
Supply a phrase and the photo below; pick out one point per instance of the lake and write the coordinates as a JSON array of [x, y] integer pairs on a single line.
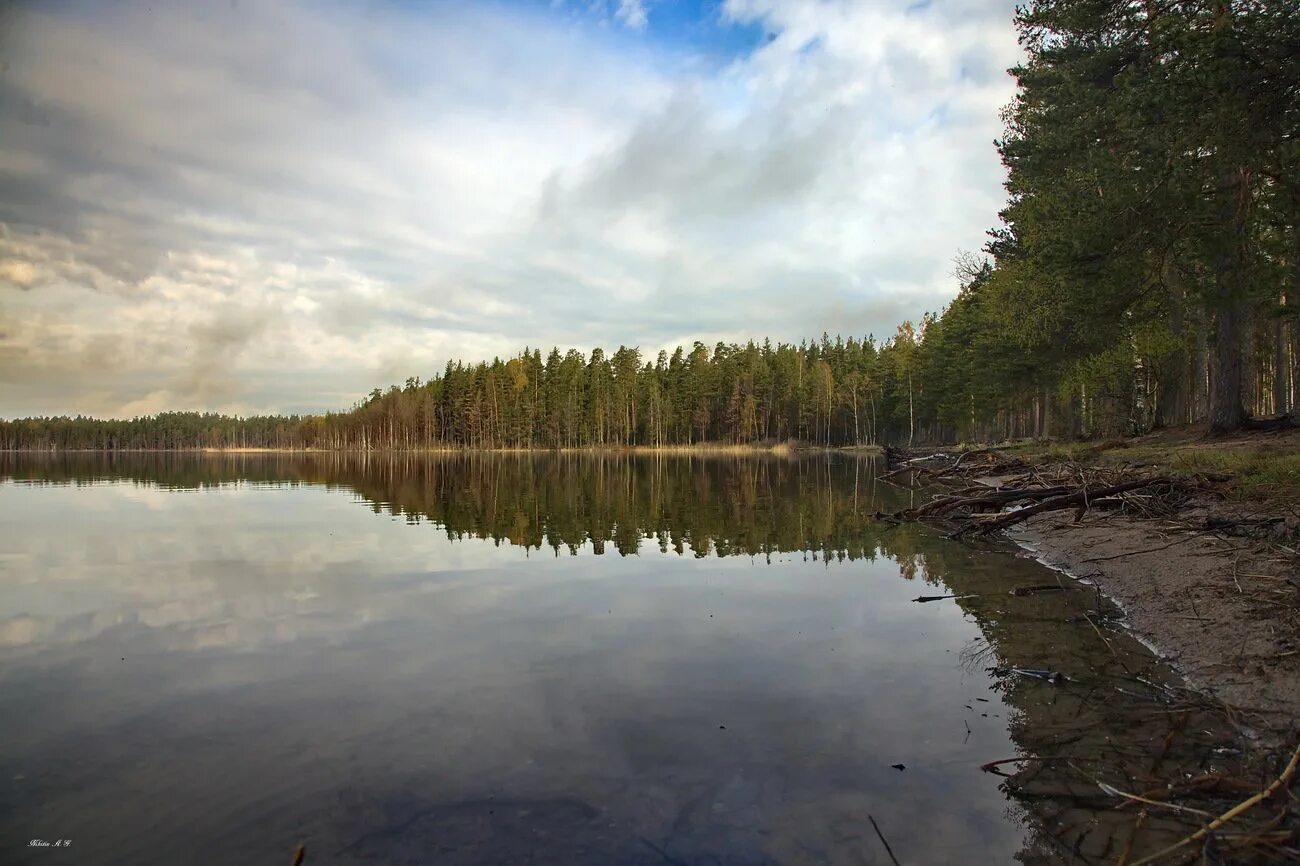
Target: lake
[[566, 659]]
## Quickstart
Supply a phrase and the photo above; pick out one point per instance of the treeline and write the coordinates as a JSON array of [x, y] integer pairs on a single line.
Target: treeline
[[831, 392], [1146, 273], [164, 431]]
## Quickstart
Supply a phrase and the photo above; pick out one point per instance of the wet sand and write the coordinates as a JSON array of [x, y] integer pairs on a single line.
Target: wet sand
[[1225, 611]]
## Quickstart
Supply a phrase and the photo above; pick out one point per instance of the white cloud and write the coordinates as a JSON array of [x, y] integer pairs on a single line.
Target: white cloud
[[278, 208], [632, 13]]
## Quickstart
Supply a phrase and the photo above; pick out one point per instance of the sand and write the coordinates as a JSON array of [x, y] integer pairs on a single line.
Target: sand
[[1223, 610]]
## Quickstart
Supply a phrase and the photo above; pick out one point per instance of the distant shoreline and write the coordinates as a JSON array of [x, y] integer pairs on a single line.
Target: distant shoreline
[[782, 449]]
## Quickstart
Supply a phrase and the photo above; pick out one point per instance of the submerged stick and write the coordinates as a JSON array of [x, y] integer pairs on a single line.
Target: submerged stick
[[1132, 837], [992, 766], [1137, 798], [883, 841], [1243, 806]]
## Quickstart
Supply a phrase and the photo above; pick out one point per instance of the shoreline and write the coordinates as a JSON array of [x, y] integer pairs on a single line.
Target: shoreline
[[1208, 578], [1198, 600], [782, 449]]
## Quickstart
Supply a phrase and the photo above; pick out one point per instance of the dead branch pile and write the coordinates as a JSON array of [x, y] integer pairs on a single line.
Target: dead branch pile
[[997, 490]]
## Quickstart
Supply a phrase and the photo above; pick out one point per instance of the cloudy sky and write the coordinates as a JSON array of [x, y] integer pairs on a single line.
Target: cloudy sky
[[256, 206]]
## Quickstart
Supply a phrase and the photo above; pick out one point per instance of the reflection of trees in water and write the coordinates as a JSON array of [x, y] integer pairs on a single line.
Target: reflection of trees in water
[[1116, 715], [977, 655], [713, 506], [1110, 711]]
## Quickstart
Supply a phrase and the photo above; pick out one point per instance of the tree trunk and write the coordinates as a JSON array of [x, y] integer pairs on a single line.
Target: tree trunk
[[857, 437], [1281, 369], [1200, 372], [1047, 412], [1226, 413], [911, 413], [1252, 397], [1171, 409]]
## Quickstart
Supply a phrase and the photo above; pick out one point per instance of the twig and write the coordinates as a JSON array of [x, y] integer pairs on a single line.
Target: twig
[[1132, 837], [668, 858], [1106, 642], [966, 454], [1116, 792], [992, 766], [1139, 552], [1227, 816], [1078, 497], [882, 840]]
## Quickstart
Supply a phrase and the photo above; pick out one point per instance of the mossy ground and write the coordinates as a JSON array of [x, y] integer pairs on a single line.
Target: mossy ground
[[1262, 466]]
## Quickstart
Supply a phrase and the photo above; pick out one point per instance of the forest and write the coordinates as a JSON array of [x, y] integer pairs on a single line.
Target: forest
[[1144, 273]]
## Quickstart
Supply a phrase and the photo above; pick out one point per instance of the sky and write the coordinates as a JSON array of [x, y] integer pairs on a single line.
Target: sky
[[275, 207]]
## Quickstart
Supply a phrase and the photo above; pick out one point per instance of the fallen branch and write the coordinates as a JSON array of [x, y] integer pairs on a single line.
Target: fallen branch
[[993, 497], [966, 454], [1227, 816], [1136, 798], [1079, 497], [992, 766], [883, 841]]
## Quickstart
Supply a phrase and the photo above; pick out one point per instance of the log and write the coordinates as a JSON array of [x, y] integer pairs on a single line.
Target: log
[[995, 497], [1078, 497]]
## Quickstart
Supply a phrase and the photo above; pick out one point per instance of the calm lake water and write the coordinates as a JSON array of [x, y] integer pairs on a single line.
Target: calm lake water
[[550, 659]]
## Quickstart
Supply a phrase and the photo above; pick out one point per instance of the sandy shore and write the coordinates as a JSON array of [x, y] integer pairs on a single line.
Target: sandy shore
[[1224, 610]]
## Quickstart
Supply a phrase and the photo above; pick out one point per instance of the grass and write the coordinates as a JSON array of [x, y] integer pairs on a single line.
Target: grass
[[780, 449], [1262, 467], [1257, 473]]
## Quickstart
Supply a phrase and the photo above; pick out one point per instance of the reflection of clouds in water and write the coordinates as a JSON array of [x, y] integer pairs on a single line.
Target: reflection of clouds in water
[[216, 568], [247, 567], [263, 662], [244, 566], [384, 671]]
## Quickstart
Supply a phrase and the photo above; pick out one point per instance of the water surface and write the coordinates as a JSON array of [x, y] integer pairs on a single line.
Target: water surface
[[548, 659]]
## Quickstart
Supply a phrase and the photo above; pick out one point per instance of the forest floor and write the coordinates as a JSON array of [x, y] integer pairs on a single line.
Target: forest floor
[[1265, 466], [1214, 586], [1206, 566]]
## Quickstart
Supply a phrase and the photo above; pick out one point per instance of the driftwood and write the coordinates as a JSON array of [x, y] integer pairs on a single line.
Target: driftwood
[[1278, 784], [995, 497], [990, 462], [1056, 497], [1008, 491], [1078, 497]]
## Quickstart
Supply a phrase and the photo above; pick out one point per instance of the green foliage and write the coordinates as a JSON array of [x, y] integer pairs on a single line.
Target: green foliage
[[836, 393]]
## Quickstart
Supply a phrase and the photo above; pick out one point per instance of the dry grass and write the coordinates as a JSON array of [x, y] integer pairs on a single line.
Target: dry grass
[[786, 448], [778, 449], [1262, 466]]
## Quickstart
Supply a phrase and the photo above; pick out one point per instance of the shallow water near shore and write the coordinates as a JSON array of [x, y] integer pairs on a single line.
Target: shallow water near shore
[[576, 659]]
